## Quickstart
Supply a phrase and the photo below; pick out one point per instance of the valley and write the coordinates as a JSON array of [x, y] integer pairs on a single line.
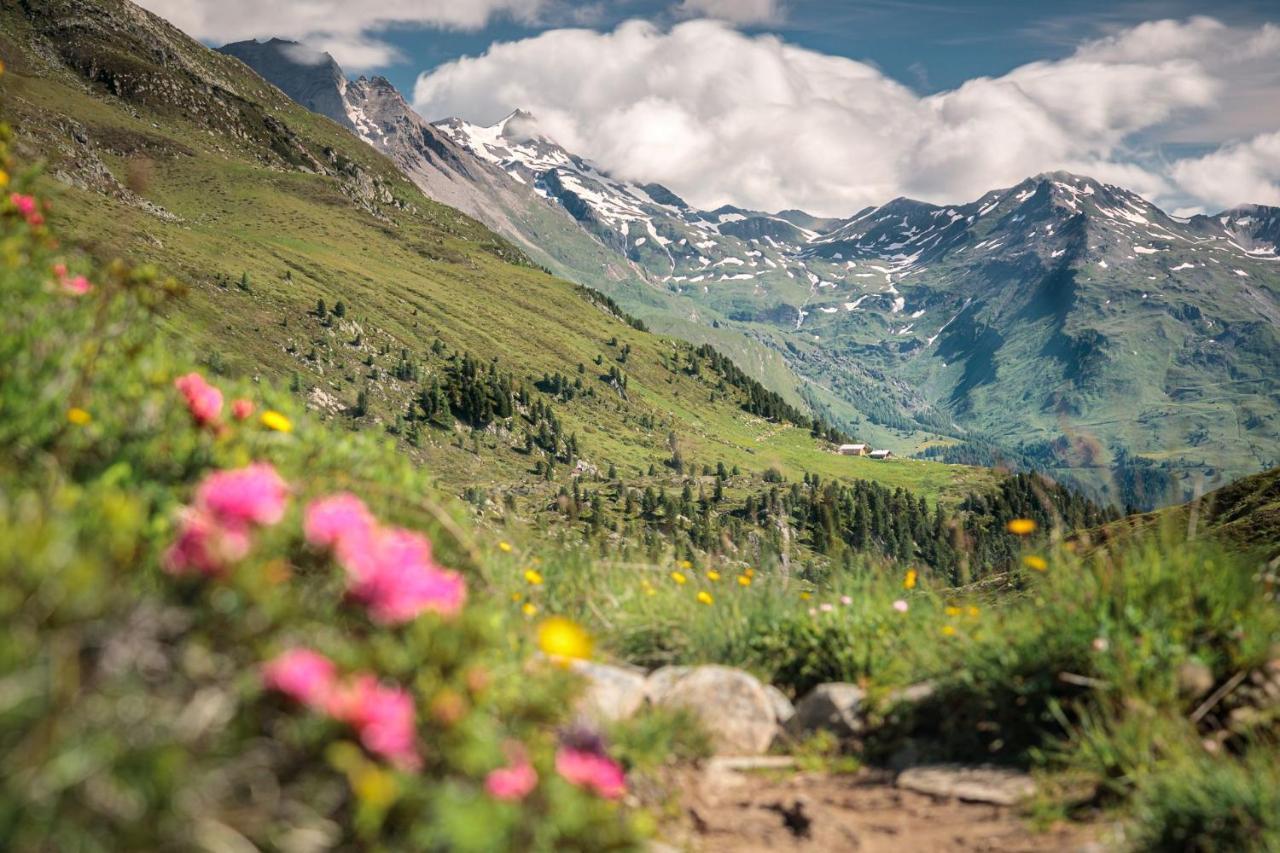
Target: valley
[[990, 330]]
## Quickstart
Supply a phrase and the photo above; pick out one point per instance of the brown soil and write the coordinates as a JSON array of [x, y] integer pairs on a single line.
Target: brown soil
[[747, 812]]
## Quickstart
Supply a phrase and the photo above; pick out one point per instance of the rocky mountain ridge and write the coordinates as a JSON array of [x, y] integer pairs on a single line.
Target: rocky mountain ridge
[[1002, 321]]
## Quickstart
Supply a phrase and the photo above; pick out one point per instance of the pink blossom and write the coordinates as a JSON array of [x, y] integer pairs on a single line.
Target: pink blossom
[[252, 495], [343, 518], [401, 580], [1100, 644], [592, 771], [389, 570], [382, 716], [77, 286], [826, 607], [303, 675], [206, 545], [26, 205], [513, 782], [203, 400], [900, 606], [846, 600], [242, 409]]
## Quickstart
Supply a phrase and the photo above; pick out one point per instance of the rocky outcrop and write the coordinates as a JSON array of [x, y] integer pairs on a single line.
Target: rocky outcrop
[[732, 705], [613, 693], [834, 707]]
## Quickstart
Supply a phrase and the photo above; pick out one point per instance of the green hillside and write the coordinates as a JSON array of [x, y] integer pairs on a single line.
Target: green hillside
[[1244, 515]]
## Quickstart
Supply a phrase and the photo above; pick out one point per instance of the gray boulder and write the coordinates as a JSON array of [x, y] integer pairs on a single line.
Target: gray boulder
[[732, 705], [612, 693], [783, 710], [833, 707], [661, 679]]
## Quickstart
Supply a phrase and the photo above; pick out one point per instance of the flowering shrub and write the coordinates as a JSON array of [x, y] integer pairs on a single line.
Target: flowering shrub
[[211, 642]]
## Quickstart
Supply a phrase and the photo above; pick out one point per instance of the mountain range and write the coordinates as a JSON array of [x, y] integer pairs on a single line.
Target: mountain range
[[1063, 323]]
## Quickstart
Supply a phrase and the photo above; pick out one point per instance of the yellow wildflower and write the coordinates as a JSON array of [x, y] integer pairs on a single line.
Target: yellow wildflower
[[744, 580], [713, 575], [1031, 561], [678, 578], [533, 577], [749, 572], [562, 638], [910, 581], [529, 608], [948, 631], [504, 547], [1022, 526], [686, 565], [974, 612], [805, 596], [516, 596], [274, 420], [704, 597], [4, 178], [953, 611], [79, 417]]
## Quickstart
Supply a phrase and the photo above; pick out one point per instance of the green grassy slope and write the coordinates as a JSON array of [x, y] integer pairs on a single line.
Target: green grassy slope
[[1245, 515], [134, 117]]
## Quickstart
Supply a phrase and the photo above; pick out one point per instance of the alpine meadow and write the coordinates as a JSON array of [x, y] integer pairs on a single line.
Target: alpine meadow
[[639, 425]]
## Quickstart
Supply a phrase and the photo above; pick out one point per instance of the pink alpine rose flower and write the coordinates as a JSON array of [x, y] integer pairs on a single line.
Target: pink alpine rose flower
[[901, 606], [205, 545], [27, 206], [242, 409], [592, 771], [513, 782], [77, 286], [398, 580], [203, 400], [305, 676], [341, 519], [382, 716], [255, 494]]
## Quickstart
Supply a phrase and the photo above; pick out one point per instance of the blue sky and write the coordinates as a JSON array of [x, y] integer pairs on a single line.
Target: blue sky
[[929, 45]]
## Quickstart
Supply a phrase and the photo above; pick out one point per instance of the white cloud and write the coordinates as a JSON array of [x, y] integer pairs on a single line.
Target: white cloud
[[341, 27], [744, 12], [1247, 171], [720, 116]]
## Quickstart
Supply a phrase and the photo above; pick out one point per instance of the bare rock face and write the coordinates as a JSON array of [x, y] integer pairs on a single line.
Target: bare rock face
[[613, 693], [984, 784], [732, 705], [833, 707]]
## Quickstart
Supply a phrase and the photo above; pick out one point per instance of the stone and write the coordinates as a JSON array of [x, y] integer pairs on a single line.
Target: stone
[[732, 705], [1195, 680], [783, 710], [982, 784], [612, 693], [661, 679], [833, 707]]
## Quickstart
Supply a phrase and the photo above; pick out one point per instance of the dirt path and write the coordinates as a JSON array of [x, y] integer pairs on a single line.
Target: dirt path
[[744, 813]]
